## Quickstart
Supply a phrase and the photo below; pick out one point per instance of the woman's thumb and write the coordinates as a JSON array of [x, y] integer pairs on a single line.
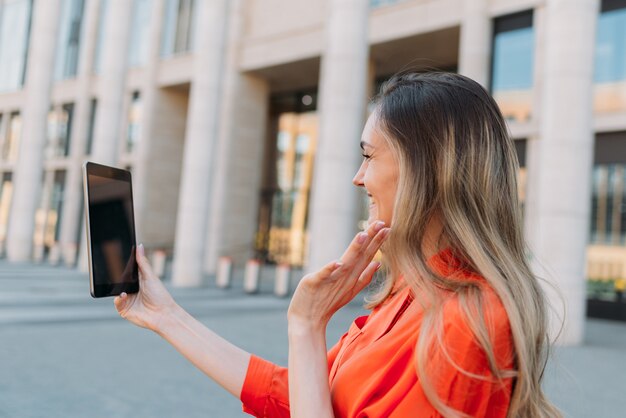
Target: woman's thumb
[[120, 302], [142, 261]]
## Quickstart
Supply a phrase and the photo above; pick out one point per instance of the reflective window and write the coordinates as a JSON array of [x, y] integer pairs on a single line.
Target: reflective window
[[14, 33], [522, 174], [92, 124], [97, 56], [69, 39], [140, 33], [380, 3], [11, 144], [134, 122], [2, 131], [59, 130], [610, 58], [48, 215], [6, 190], [606, 251], [178, 27], [512, 65]]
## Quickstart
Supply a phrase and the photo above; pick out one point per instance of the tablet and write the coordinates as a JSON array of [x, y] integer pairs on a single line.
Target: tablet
[[110, 226]]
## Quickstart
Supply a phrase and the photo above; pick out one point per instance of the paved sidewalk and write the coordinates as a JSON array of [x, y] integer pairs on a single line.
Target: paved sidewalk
[[64, 354]]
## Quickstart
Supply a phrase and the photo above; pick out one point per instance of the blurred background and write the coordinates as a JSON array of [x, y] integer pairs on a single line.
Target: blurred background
[[240, 122]]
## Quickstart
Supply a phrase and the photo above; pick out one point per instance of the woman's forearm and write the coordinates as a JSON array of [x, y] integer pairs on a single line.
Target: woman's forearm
[[222, 361], [309, 393]]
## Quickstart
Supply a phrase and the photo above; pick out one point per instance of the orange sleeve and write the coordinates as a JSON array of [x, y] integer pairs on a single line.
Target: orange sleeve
[[265, 391]]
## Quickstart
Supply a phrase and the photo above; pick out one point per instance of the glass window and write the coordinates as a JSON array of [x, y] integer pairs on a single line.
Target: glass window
[[47, 216], [59, 130], [610, 58], [92, 123], [522, 174], [140, 32], [512, 65], [2, 131], [69, 39], [53, 229], [380, 3], [14, 33], [606, 251], [12, 140], [134, 122], [97, 56], [178, 27], [6, 190]]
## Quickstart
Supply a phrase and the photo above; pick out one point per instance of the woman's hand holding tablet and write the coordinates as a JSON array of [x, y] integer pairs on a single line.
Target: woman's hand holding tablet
[[148, 307]]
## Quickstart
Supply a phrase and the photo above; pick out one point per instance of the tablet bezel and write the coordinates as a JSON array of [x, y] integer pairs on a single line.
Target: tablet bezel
[[105, 290]]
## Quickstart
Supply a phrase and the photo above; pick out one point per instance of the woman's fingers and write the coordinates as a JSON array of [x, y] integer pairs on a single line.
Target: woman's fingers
[[365, 245], [330, 267], [144, 265], [368, 274]]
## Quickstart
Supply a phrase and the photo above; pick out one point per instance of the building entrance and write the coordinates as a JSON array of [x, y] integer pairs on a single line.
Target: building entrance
[[283, 214]]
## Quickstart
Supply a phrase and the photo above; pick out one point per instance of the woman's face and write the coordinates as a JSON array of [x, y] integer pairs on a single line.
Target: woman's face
[[378, 173]]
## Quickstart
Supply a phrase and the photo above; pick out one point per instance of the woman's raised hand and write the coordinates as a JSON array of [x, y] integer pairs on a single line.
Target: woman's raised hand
[[153, 302], [319, 295]]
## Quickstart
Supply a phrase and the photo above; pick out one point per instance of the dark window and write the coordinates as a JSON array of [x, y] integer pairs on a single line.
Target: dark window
[[512, 64], [92, 122]]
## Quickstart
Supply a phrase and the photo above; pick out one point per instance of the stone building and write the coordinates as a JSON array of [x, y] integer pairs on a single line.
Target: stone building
[[240, 121]]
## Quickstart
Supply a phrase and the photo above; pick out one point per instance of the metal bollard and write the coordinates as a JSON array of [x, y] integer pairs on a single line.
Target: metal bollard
[[224, 272], [251, 278], [158, 262], [69, 255], [38, 253], [54, 256], [281, 283]]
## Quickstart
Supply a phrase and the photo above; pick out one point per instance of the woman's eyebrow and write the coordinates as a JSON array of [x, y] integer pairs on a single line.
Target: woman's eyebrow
[[365, 144]]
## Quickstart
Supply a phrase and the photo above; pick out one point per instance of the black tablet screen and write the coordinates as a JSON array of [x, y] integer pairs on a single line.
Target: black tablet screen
[[112, 228]]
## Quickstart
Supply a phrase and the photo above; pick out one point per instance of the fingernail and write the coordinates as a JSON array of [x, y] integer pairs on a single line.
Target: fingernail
[[141, 249], [361, 238], [123, 295], [386, 232], [378, 265], [379, 225], [337, 265]]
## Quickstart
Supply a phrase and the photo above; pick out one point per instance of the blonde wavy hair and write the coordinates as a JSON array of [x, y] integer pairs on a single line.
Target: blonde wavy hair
[[457, 163]]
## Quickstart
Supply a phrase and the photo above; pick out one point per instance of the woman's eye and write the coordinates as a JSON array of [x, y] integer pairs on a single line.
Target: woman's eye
[[366, 156]]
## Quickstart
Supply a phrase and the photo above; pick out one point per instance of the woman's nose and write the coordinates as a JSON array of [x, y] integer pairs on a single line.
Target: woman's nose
[[358, 178]]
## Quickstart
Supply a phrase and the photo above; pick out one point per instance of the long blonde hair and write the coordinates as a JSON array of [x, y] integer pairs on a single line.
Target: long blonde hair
[[457, 163]]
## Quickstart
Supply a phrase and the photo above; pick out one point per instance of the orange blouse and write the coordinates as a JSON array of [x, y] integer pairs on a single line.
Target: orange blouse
[[372, 368]]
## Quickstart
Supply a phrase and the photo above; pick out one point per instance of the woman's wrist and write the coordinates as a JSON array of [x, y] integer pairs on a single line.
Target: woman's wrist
[[305, 326], [168, 319]]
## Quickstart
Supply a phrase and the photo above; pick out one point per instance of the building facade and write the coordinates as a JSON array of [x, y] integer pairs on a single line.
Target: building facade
[[240, 121]]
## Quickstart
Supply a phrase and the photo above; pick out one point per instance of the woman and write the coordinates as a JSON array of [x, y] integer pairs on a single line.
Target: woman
[[458, 326]]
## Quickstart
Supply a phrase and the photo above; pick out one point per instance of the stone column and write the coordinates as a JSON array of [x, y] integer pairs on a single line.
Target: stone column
[[475, 46], [150, 96], [112, 87], [73, 199], [564, 159], [239, 152], [26, 195], [112, 81], [343, 78], [200, 137]]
